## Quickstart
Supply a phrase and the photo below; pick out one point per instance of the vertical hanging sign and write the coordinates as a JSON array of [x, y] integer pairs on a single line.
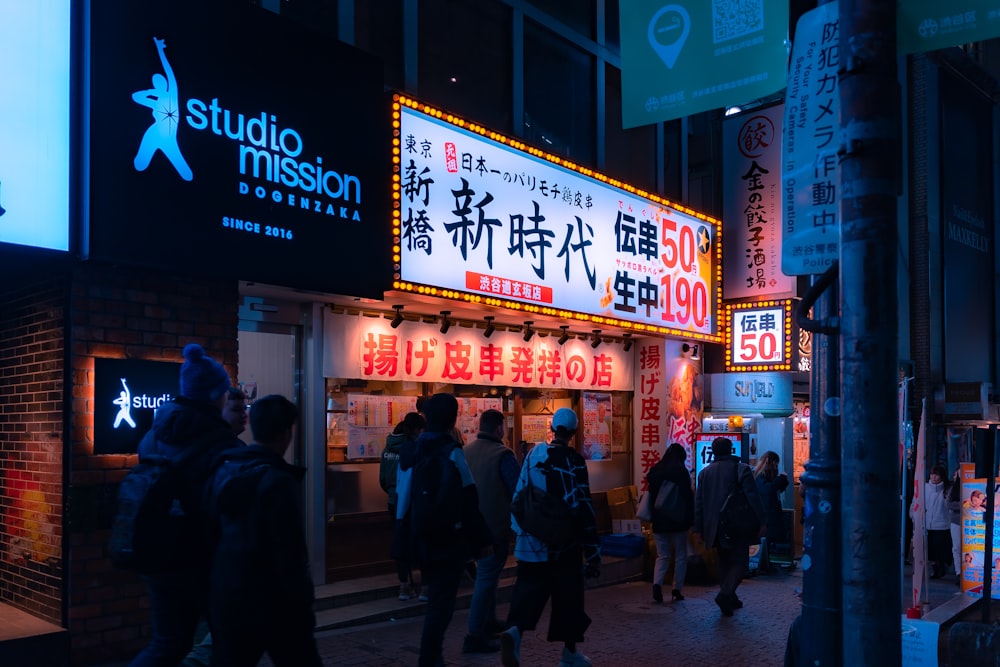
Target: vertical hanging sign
[[811, 175], [752, 206]]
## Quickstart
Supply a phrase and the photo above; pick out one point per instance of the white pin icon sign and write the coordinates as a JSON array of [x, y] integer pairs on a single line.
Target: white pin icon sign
[[668, 30]]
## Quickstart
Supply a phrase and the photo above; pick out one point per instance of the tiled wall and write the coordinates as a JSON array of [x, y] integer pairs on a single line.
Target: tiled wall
[[136, 315], [31, 451]]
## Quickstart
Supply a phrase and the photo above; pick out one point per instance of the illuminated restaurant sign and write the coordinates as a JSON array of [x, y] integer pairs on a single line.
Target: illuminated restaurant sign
[[487, 219], [34, 123], [214, 155], [359, 346], [759, 336]]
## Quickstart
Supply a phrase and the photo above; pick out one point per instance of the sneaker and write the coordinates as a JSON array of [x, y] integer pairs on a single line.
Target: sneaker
[[676, 595], [657, 593], [570, 659], [423, 594], [405, 592], [737, 603], [510, 647], [476, 644]]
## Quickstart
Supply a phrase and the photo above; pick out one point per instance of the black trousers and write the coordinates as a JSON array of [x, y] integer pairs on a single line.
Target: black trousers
[[562, 581], [441, 579]]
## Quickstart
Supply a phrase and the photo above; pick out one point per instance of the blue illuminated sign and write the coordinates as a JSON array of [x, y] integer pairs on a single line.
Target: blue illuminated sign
[[212, 155], [34, 123]]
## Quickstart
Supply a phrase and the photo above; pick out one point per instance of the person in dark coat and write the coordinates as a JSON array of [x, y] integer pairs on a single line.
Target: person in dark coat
[[261, 589], [194, 419], [771, 484], [714, 484], [671, 534], [441, 559]]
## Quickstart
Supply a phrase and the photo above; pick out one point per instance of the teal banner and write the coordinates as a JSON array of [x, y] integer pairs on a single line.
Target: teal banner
[[685, 57], [926, 25]]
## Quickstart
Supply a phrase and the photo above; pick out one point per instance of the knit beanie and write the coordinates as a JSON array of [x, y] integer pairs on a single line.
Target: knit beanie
[[202, 377]]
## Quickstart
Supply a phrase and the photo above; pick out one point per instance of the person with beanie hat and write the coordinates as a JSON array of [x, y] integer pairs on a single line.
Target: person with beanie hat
[[193, 419]]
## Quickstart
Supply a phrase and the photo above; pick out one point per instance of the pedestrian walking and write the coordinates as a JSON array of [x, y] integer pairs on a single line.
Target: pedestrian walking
[[937, 522], [547, 569], [770, 485], [495, 470], [724, 475], [438, 496], [235, 414], [179, 597], [262, 591], [670, 527], [404, 435]]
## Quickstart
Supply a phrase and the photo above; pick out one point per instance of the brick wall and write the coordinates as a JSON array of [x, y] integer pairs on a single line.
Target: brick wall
[[31, 455], [135, 315]]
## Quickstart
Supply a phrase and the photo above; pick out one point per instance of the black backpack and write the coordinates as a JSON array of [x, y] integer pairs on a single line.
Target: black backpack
[[544, 516], [739, 524], [435, 496], [153, 530]]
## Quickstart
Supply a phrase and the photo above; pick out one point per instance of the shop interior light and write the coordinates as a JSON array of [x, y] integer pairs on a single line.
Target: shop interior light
[[397, 319], [528, 331], [489, 326], [565, 334], [597, 339], [627, 341], [445, 322]]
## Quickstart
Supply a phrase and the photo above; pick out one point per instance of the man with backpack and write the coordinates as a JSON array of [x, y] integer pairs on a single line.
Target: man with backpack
[[261, 587], [191, 432], [437, 494], [553, 493], [724, 482], [495, 470]]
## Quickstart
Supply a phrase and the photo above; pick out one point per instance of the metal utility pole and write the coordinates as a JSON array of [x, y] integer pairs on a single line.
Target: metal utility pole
[[822, 634], [869, 125]]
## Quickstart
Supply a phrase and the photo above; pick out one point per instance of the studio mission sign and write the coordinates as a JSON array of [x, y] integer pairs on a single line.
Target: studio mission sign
[[127, 393], [212, 154]]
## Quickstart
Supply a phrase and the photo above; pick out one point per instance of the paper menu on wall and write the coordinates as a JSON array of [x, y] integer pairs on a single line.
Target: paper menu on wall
[[378, 411]]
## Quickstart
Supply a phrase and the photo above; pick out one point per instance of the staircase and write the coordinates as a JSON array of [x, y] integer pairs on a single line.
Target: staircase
[[374, 599]]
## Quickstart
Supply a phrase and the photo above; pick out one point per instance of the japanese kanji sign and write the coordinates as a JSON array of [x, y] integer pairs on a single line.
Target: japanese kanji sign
[[811, 174], [759, 336], [751, 167], [369, 348], [485, 215]]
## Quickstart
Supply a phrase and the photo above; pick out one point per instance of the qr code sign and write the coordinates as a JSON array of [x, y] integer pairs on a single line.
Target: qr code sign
[[736, 18]]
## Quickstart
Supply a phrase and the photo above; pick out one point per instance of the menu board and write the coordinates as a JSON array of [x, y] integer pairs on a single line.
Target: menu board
[[370, 420]]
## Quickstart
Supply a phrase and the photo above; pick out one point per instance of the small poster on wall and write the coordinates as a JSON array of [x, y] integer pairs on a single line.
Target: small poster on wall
[[469, 410], [371, 419], [596, 426], [535, 428]]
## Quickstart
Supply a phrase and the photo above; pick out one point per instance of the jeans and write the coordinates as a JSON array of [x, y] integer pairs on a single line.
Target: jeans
[[956, 546], [176, 601], [441, 579], [665, 544], [483, 608]]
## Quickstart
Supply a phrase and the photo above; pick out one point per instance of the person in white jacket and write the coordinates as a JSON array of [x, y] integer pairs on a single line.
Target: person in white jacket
[[937, 522]]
